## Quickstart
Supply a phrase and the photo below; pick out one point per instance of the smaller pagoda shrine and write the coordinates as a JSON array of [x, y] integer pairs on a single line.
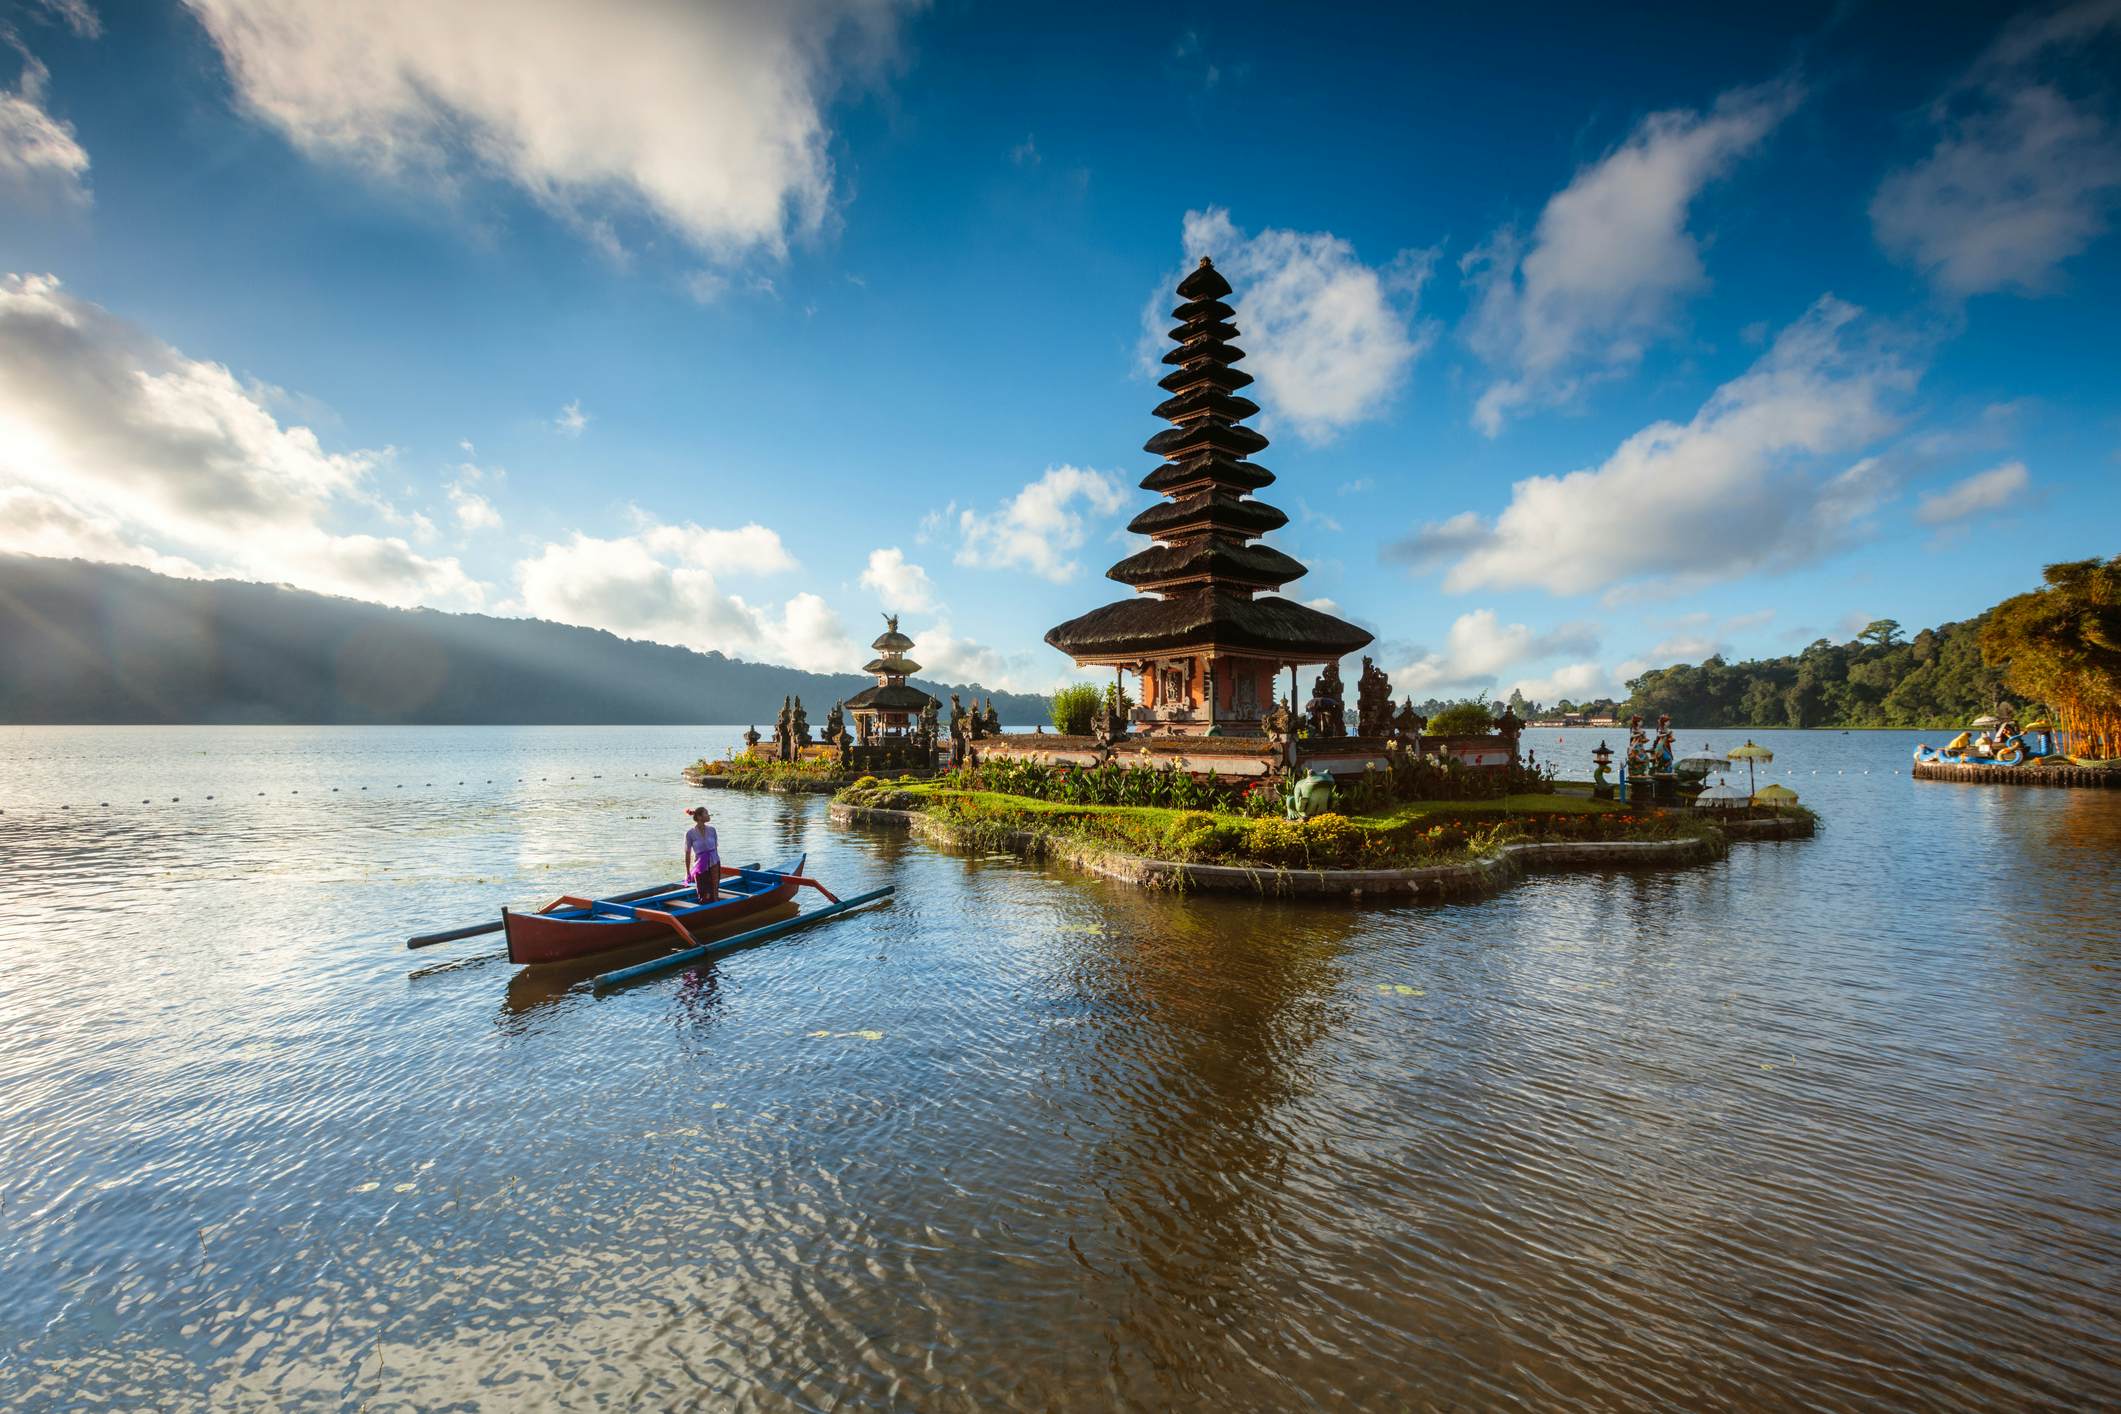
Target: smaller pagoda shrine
[[888, 717]]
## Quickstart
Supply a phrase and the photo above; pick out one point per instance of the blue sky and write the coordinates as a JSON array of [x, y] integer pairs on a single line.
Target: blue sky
[[1584, 344]]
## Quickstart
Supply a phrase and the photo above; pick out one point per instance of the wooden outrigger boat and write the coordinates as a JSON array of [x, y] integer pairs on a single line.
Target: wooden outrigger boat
[[571, 927]]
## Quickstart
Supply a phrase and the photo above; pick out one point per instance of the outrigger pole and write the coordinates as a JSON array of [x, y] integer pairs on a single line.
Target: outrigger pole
[[687, 956]]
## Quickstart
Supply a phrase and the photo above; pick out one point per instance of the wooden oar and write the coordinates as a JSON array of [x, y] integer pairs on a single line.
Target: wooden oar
[[653, 966]]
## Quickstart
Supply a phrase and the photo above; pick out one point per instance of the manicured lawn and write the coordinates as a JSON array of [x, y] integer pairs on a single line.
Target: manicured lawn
[[1490, 809], [1423, 832]]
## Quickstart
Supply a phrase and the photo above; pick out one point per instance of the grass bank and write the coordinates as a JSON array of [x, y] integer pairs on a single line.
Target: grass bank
[[1413, 835]]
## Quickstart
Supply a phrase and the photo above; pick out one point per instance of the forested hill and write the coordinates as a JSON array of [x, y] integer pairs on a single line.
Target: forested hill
[[1879, 679], [86, 643]]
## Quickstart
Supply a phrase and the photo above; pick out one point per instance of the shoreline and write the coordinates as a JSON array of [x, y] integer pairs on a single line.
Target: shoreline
[[1440, 883], [2082, 777]]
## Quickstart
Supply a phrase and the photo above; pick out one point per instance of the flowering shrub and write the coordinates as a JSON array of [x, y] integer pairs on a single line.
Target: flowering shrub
[[1168, 785]]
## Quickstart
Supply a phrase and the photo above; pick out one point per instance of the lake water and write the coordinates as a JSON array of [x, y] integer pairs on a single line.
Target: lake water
[[1834, 1122]]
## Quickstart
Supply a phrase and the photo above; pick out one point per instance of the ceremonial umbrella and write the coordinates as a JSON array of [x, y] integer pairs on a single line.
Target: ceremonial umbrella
[[1776, 795], [1985, 720], [1722, 796], [1750, 753]]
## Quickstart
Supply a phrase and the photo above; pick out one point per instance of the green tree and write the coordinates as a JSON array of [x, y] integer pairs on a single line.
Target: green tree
[[1074, 707]]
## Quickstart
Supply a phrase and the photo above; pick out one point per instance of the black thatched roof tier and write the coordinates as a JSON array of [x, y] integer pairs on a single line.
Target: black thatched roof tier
[[1206, 436], [1271, 626], [1204, 283], [1214, 375], [1260, 565], [904, 667], [891, 641], [1203, 560], [1219, 330], [893, 697], [1202, 309], [1217, 467], [1206, 349], [1208, 511], [1207, 399]]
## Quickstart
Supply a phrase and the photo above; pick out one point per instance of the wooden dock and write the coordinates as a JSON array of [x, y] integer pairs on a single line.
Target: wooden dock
[[2018, 775]]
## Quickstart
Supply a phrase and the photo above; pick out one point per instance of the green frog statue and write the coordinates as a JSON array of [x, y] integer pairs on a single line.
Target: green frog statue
[[1310, 794]]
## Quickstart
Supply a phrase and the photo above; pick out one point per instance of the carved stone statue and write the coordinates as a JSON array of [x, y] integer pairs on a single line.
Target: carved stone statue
[[836, 725], [751, 741], [1280, 726], [783, 737], [993, 720], [929, 728], [975, 722], [1373, 701], [799, 726], [1326, 711], [1408, 725], [960, 732]]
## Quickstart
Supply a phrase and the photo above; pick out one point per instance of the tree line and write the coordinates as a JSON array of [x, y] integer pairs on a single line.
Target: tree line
[[2056, 649]]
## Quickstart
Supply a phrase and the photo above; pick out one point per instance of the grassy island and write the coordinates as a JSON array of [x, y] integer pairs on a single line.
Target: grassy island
[[819, 774], [1419, 835]]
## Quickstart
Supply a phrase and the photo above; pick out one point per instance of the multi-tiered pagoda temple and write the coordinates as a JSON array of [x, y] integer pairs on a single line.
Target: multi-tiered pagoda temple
[[1207, 636], [891, 708]]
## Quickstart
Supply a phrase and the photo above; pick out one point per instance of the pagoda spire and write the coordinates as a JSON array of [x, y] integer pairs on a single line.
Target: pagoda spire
[[1206, 624], [1208, 518]]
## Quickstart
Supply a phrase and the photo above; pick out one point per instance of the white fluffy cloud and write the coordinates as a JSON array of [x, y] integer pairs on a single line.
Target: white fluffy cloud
[[1329, 338], [1983, 491], [2022, 176], [2009, 193], [1712, 498], [660, 584], [1479, 648], [1610, 258], [1039, 527], [899, 582], [37, 151], [946, 657], [473, 511], [706, 119], [572, 420], [150, 456]]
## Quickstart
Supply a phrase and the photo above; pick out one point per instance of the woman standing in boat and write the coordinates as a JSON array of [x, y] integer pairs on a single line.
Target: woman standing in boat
[[703, 856]]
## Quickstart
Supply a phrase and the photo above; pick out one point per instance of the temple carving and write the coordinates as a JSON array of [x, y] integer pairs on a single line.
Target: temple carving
[[1206, 634]]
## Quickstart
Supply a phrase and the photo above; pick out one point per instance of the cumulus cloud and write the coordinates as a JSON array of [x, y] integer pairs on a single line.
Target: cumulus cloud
[[945, 656], [121, 435], [1719, 496], [1610, 258], [1329, 338], [1039, 527], [661, 584], [1479, 648], [1984, 491], [899, 582], [2011, 191], [707, 121], [2023, 176], [473, 511], [572, 419], [1574, 682], [37, 151]]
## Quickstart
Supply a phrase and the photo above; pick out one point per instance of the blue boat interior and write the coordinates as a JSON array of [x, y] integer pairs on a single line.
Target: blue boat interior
[[681, 902]]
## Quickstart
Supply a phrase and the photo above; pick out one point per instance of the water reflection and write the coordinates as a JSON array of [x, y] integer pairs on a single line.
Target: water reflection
[[1835, 1116]]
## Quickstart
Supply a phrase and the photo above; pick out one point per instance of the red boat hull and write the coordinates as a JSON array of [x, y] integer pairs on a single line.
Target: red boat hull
[[536, 938]]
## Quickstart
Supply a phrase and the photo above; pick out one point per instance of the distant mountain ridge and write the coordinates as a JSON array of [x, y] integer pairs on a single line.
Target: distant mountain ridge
[[91, 644]]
